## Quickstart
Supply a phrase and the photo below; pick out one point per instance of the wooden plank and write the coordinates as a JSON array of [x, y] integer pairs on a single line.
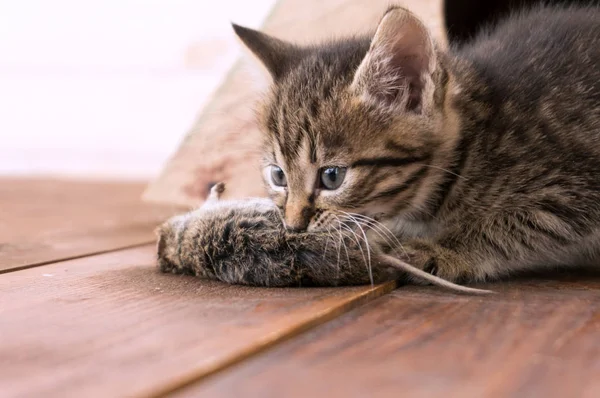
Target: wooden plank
[[112, 325], [226, 133], [45, 220], [537, 338]]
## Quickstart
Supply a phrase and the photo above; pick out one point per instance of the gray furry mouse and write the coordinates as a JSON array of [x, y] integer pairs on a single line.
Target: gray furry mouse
[[246, 242]]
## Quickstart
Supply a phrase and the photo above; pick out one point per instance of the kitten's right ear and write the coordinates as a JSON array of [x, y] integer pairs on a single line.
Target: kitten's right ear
[[275, 54], [397, 70]]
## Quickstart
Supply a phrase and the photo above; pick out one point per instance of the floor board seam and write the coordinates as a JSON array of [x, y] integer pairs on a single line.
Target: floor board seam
[[74, 257], [319, 319]]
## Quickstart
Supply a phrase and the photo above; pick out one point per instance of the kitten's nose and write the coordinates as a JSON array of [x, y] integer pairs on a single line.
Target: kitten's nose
[[297, 219], [296, 227]]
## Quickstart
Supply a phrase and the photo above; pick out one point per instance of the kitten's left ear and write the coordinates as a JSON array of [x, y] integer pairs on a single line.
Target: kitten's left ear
[[276, 55], [397, 71]]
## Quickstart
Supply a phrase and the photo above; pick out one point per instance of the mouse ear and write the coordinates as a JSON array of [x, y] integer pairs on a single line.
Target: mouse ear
[[397, 70], [216, 191], [276, 55]]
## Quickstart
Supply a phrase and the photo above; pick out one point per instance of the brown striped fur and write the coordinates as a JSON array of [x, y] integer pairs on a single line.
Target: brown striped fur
[[483, 160]]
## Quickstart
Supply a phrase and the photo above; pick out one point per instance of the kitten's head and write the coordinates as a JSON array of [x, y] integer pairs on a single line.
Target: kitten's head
[[351, 125]]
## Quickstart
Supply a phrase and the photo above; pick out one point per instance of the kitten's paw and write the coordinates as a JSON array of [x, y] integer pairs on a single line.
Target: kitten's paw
[[436, 260]]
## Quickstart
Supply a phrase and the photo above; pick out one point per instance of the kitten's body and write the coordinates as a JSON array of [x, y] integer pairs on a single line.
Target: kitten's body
[[529, 148], [528, 155], [485, 160]]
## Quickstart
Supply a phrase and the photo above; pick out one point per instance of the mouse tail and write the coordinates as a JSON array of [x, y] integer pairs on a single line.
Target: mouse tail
[[425, 276]]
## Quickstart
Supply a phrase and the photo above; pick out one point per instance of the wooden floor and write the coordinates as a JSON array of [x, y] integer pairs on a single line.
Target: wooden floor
[[84, 312]]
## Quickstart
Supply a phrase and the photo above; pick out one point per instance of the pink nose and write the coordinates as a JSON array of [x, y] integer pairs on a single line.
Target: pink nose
[[296, 226], [297, 218]]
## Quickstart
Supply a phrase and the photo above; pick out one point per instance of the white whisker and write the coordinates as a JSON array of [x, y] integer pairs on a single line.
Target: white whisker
[[348, 263], [329, 235], [339, 251], [356, 239], [442, 169], [380, 229], [326, 245], [368, 247]]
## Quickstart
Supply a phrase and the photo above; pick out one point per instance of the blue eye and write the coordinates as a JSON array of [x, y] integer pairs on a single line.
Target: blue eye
[[332, 177], [278, 176]]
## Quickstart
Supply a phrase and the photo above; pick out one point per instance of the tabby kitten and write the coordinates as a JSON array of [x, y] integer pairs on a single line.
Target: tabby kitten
[[483, 160]]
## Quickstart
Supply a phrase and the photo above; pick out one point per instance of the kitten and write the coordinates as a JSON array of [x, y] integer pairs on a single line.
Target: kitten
[[483, 160]]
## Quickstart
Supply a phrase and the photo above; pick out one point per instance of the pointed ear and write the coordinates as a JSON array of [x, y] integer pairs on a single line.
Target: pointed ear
[[397, 70], [276, 55]]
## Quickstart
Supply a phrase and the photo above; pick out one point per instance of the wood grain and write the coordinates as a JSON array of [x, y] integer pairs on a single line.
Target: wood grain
[[112, 325], [45, 220], [226, 135], [537, 338]]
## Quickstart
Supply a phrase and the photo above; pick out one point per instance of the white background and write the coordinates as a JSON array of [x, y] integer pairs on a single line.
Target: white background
[[108, 88]]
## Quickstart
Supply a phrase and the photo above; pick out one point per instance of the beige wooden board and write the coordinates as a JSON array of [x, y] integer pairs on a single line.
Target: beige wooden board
[[111, 325], [223, 143]]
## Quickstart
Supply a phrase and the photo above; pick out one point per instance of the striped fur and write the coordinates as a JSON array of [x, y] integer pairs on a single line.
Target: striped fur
[[484, 160]]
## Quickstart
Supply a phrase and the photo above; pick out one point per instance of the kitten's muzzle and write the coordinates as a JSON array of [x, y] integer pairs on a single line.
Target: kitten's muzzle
[[297, 217]]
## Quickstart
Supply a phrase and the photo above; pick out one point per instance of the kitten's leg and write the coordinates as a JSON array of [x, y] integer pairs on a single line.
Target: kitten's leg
[[453, 264], [497, 246]]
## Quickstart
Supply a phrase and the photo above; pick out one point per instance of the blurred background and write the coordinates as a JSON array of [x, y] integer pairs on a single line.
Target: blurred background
[[108, 88]]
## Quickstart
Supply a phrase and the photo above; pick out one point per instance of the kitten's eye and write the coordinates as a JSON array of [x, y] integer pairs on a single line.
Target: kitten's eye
[[278, 176], [332, 177]]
